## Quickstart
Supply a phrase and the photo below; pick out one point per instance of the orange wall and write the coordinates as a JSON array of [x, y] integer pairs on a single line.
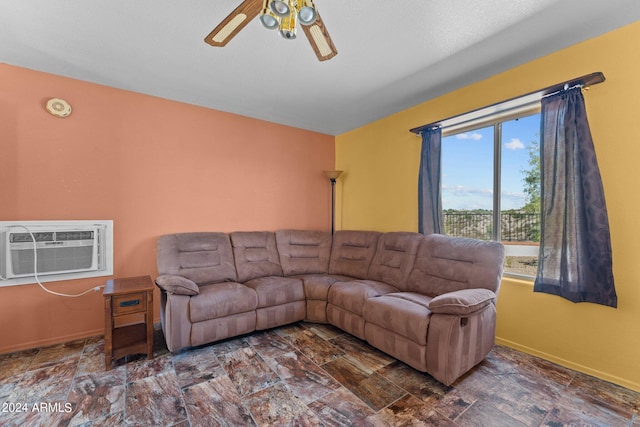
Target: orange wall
[[151, 165]]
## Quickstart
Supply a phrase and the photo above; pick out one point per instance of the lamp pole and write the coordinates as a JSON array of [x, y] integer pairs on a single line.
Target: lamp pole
[[333, 176]]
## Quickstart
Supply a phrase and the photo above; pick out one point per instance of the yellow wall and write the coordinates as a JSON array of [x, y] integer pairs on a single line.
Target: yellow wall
[[379, 191]]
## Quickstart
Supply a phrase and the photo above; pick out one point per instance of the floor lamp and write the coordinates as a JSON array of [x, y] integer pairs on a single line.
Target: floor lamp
[[333, 176]]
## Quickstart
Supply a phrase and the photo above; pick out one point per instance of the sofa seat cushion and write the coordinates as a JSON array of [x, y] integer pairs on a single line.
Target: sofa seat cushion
[[404, 313], [276, 290], [220, 300], [316, 286], [352, 295]]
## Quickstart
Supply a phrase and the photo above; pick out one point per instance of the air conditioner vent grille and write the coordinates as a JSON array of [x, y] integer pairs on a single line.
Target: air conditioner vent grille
[[74, 235], [26, 237], [53, 259]]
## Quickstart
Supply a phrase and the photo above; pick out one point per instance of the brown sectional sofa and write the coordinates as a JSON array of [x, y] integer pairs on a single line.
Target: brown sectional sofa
[[429, 300]]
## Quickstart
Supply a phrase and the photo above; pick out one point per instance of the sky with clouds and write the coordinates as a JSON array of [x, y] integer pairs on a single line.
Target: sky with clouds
[[467, 165]]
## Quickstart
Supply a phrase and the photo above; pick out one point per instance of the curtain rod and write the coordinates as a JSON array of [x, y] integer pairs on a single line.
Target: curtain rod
[[518, 102]]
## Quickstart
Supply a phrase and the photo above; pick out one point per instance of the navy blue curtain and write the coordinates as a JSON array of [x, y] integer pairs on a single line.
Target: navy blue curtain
[[429, 188], [575, 247]]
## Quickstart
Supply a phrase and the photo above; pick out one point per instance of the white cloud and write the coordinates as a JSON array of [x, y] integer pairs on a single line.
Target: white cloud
[[513, 195], [512, 200], [464, 197], [514, 144], [462, 190], [475, 136]]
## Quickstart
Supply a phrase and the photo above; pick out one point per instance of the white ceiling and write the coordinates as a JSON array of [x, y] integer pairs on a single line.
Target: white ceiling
[[391, 54]]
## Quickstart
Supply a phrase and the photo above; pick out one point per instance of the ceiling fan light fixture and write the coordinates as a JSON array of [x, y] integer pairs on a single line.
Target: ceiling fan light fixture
[[288, 26], [280, 8], [288, 34], [307, 15], [269, 20], [281, 15]]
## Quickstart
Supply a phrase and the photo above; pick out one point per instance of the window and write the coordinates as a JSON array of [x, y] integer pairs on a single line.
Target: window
[[491, 187]]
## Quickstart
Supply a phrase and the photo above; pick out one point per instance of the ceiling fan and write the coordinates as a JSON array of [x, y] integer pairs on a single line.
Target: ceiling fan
[[280, 15]]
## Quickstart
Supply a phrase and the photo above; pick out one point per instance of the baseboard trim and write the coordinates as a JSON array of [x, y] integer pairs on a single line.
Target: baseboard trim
[[631, 385], [51, 341]]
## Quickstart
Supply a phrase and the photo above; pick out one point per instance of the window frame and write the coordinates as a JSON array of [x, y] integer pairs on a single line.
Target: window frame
[[496, 121]]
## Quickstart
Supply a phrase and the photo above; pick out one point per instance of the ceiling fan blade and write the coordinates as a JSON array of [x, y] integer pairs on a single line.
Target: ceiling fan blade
[[232, 24], [320, 40]]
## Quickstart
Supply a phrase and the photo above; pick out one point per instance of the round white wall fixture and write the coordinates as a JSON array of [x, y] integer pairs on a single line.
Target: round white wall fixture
[[58, 107]]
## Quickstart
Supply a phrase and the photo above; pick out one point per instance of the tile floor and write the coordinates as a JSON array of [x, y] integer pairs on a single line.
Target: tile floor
[[303, 375]]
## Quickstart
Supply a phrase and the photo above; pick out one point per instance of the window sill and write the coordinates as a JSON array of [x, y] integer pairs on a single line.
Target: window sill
[[519, 278]]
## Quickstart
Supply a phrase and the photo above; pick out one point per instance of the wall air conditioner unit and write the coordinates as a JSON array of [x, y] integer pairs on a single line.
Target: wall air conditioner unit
[[62, 248]]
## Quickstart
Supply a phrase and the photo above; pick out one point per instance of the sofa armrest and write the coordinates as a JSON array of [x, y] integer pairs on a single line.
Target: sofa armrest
[[462, 302], [177, 285], [176, 325]]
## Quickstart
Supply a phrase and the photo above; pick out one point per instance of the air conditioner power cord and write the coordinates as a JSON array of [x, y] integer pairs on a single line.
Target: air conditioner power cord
[[35, 270]]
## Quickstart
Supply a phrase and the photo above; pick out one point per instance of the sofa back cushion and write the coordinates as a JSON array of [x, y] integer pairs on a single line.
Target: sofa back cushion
[[445, 264], [394, 258], [256, 254], [352, 252], [200, 257], [304, 251]]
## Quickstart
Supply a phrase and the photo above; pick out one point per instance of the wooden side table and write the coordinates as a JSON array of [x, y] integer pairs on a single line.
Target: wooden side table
[[128, 314]]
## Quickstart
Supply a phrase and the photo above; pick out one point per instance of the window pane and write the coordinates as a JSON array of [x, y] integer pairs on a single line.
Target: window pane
[[520, 194], [468, 189], [467, 184]]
